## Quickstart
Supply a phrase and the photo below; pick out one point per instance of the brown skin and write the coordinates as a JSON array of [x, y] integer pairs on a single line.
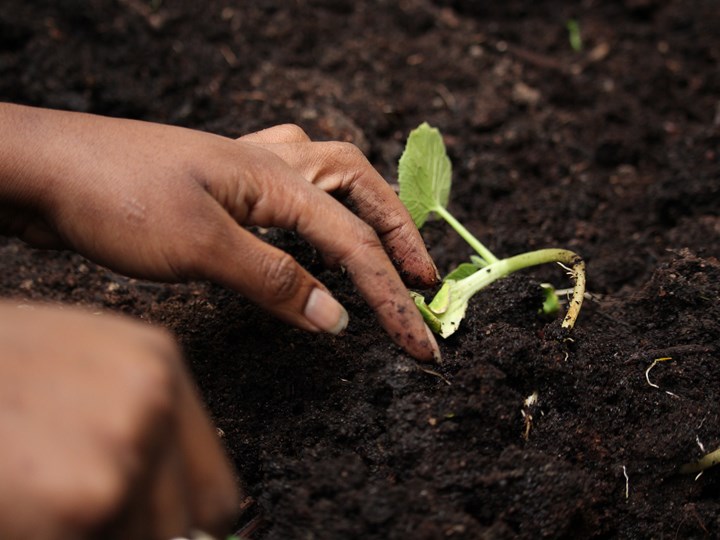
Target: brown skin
[[167, 203], [100, 409], [103, 435]]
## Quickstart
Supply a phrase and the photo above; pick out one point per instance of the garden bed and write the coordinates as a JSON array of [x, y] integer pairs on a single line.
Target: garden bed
[[612, 151]]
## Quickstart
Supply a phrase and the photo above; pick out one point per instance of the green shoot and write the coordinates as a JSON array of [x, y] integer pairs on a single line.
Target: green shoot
[[425, 179], [574, 36], [551, 302], [444, 313], [424, 174]]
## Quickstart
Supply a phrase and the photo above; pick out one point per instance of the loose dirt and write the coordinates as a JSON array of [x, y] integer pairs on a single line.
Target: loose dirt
[[612, 151]]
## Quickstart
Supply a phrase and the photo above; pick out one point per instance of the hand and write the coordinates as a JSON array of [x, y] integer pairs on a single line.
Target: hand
[[166, 203], [103, 435]]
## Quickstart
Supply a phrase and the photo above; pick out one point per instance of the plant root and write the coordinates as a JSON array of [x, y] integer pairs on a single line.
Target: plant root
[[708, 460]]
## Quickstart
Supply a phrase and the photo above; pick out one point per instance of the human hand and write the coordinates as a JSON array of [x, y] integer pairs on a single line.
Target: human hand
[[165, 203], [103, 435]]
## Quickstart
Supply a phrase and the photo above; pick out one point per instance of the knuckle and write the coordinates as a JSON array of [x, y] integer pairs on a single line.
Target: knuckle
[[293, 132], [282, 276], [365, 240], [349, 160], [399, 234], [366, 235], [346, 153]]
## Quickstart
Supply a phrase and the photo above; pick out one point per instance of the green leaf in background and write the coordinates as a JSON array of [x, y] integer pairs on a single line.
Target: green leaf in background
[[424, 173], [574, 36]]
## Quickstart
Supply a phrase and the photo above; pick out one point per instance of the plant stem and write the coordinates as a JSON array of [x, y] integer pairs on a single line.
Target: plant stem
[[705, 462], [484, 277], [565, 257], [484, 252]]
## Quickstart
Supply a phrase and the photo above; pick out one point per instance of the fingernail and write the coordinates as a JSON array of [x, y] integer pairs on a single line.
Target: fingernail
[[438, 277], [433, 345], [325, 312]]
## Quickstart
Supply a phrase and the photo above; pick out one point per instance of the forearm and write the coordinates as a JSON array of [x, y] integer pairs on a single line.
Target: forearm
[[21, 133], [37, 150]]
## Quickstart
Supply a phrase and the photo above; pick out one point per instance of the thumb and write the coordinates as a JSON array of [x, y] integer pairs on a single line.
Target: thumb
[[272, 279]]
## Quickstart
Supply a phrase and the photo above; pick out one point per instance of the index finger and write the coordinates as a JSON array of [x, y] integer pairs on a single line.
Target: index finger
[[275, 195], [342, 169]]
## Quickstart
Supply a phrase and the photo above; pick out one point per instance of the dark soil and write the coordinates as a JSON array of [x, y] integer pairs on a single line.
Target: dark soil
[[612, 151]]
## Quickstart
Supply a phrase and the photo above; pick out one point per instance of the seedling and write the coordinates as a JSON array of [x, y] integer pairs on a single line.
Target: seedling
[[574, 36], [527, 412], [424, 174]]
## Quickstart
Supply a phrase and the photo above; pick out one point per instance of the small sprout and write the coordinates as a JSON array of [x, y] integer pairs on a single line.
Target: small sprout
[[527, 413], [574, 36], [424, 175], [551, 302]]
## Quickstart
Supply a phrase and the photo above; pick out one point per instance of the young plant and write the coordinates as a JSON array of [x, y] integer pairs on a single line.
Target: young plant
[[424, 174], [574, 35]]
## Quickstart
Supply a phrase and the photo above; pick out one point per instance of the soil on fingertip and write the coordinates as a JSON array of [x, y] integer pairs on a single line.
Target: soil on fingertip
[[612, 151]]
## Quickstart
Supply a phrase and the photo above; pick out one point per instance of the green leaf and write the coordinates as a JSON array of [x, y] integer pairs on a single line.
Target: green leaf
[[424, 173], [441, 301], [464, 270]]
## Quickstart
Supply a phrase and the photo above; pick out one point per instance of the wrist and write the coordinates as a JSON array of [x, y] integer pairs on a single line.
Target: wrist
[[28, 144]]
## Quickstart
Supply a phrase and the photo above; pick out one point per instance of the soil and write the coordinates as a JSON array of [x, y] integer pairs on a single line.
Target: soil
[[612, 151]]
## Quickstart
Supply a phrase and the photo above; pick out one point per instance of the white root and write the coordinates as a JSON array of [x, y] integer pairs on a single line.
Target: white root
[[647, 374], [627, 482]]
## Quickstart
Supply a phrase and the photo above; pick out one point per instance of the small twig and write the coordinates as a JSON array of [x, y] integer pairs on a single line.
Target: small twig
[[536, 59], [673, 351], [154, 18], [435, 374], [251, 527]]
